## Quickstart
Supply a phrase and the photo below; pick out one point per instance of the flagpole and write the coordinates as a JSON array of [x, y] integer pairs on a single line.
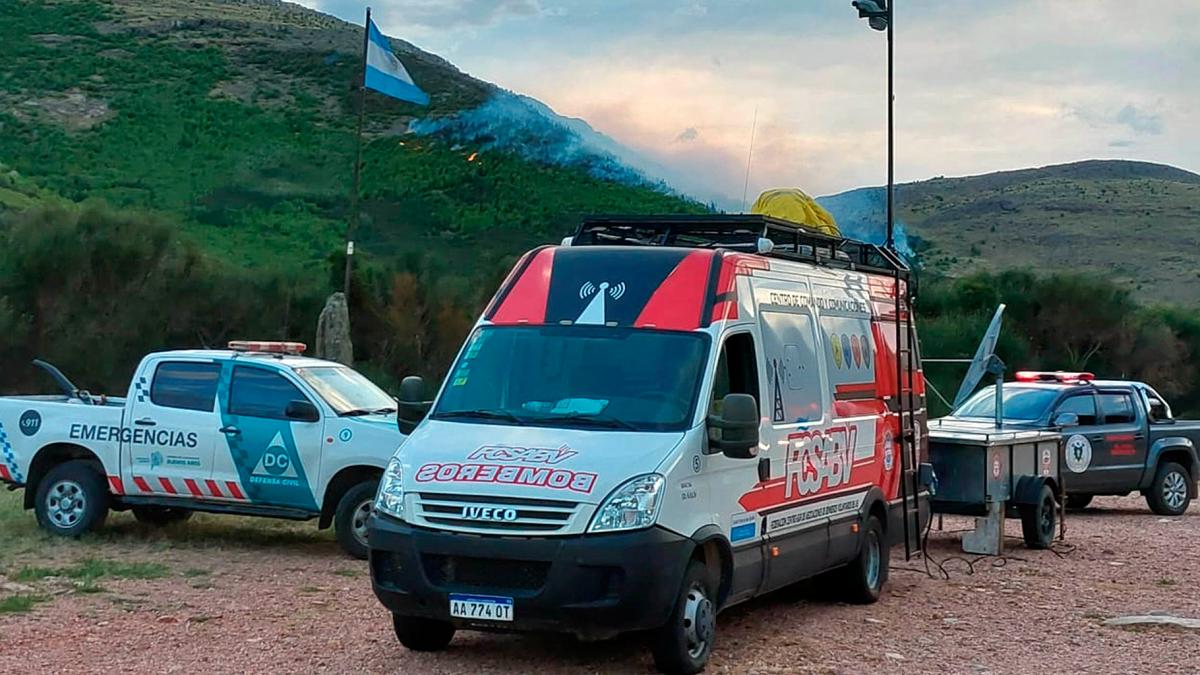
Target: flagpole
[[362, 109]]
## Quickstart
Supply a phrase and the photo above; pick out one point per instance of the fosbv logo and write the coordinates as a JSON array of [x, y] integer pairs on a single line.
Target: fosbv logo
[[493, 513]]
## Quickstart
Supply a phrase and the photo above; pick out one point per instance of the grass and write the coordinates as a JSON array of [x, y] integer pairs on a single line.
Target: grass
[[17, 604], [91, 569]]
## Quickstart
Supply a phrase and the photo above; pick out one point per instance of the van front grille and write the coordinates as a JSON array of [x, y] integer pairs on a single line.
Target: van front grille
[[493, 515]]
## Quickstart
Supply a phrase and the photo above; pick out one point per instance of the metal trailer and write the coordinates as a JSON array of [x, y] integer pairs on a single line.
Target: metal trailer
[[995, 472]]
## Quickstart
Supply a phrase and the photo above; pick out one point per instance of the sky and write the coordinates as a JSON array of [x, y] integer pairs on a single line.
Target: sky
[[980, 86]]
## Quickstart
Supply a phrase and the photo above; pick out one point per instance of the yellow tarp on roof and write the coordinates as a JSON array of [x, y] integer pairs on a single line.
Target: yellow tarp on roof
[[795, 205]]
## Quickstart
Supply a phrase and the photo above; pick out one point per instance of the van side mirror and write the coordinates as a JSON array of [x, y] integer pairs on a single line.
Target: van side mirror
[[411, 406], [735, 430], [302, 411], [1066, 419]]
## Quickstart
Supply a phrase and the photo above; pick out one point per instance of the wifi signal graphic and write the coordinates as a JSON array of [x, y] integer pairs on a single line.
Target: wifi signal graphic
[[615, 292], [589, 289]]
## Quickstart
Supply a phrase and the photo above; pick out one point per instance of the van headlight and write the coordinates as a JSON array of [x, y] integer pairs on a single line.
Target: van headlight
[[632, 506], [390, 497]]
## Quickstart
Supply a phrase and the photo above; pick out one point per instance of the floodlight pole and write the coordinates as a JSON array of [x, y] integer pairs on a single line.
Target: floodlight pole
[[891, 186]]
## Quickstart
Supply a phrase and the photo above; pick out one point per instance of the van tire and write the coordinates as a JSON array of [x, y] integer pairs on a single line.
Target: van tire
[[422, 635], [71, 499], [1039, 520], [863, 578], [682, 645], [1170, 493], [160, 516], [350, 518]]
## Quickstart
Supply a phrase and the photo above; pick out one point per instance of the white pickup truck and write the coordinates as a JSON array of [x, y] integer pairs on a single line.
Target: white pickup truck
[[256, 430]]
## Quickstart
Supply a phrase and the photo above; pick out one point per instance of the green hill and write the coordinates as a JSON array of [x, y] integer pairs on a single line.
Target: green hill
[[1133, 222]]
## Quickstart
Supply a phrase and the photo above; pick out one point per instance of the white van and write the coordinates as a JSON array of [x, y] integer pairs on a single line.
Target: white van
[[657, 420]]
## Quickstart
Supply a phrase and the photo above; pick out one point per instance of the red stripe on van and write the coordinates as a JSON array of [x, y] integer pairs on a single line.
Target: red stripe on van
[[526, 301], [234, 489], [192, 487], [166, 483], [678, 302], [213, 488], [4, 474], [141, 484], [115, 485]]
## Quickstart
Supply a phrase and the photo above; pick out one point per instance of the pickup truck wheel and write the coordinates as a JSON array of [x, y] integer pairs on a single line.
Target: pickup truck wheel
[[160, 516], [350, 518], [1169, 494], [1039, 520], [71, 499], [863, 578], [1078, 502], [684, 644], [422, 635]]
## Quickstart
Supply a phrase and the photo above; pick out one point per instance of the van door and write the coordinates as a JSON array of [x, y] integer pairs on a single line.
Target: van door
[[170, 435], [270, 457]]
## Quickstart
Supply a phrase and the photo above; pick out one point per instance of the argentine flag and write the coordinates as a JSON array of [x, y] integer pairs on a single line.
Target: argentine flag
[[385, 74]]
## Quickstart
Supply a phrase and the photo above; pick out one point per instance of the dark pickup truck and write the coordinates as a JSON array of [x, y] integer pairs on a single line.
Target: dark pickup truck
[[1120, 436]]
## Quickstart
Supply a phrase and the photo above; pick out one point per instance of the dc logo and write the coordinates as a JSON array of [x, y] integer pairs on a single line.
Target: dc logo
[[30, 422], [276, 463]]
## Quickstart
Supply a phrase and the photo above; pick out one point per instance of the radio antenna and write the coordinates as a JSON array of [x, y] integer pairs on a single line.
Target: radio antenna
[[749, 157]]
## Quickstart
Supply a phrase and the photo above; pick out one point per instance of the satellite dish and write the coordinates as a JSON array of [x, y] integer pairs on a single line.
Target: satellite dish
[[985, 361]]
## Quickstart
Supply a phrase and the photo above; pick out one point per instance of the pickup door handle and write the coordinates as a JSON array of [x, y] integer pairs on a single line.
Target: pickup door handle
[[145, 422], [231, 431]]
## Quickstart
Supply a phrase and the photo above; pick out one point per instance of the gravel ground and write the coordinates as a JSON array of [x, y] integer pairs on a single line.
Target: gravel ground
[[296, 605]]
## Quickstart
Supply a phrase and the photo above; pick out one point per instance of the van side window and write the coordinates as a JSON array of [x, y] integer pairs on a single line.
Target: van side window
[[1083, 405], [737, 370], [256, 392], [794, 384], [1117, 408], [188, 385]]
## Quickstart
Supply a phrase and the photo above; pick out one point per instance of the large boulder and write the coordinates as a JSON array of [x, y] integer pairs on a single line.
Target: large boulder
[[333, 331]]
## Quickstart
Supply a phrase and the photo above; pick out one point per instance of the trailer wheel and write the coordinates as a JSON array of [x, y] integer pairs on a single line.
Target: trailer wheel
[[1078, 502], [1039, 520], [350, 518], [160, 516], [863, 577], [1169, 493], [422, 635], [71, 499], [685, 642]]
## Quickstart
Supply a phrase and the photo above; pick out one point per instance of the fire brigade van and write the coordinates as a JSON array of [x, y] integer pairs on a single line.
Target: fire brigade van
[[255, 430], [657, 420]]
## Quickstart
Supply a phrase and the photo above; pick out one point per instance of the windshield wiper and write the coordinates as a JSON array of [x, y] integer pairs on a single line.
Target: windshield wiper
[[359, 412], [495, 414], [607, 421]]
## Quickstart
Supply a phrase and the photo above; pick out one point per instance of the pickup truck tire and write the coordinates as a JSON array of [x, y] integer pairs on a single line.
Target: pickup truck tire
[[350, 518], [1170, 493], [160, 516], [71, 499], [862, 579], [422, 635], [1038, 520], [1078, 502], [683, 645]]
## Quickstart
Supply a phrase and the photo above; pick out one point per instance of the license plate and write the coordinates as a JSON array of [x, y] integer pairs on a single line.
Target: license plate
[[483, 607]]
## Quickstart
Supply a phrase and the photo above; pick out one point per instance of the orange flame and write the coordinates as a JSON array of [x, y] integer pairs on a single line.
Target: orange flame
[[473, 156]]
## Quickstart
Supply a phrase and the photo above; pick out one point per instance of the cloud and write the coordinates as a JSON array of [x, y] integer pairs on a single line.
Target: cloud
[[693, 9], [688, 134], [1140, 122], [439, 14], [1121, 143]]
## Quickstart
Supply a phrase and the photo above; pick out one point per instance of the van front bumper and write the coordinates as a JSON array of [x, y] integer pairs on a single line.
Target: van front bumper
[[593, 586]]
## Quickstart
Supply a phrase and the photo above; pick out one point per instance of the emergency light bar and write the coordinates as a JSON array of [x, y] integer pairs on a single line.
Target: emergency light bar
[[295, 348], [1055, 376]]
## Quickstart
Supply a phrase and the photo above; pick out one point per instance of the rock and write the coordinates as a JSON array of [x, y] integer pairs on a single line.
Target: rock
[[333, 331], [167, 619], [894, 656], [873, 620], [14, 587], [1153, 620]]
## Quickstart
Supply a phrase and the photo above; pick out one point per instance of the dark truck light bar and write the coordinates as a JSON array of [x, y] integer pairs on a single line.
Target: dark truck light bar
[[742, 233]]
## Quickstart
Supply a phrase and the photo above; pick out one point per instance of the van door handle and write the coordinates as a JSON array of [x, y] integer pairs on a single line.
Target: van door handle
[[230, 431], [145, 422]]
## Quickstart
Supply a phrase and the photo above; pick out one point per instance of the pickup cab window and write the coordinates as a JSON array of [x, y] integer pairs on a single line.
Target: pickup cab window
[[256, 392], [185, 385], [1117, 408], [1083, 405]]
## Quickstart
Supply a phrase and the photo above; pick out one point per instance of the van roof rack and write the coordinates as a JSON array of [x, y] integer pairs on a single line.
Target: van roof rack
[[741, 232]]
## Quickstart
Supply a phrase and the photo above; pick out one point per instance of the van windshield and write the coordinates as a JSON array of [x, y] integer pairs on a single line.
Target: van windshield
[[576, 377], [1021, 404]]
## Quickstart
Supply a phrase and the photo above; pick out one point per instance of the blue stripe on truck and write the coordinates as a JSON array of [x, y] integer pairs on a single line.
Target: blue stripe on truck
[[10, 459]]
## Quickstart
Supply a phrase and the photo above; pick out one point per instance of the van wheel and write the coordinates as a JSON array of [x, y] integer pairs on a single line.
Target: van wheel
[[160, 516], [863, 577], [71, 499], [684, 644], [1039, 520], [350, 518], [1078, 502], [1170, 493], [422, 635]]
